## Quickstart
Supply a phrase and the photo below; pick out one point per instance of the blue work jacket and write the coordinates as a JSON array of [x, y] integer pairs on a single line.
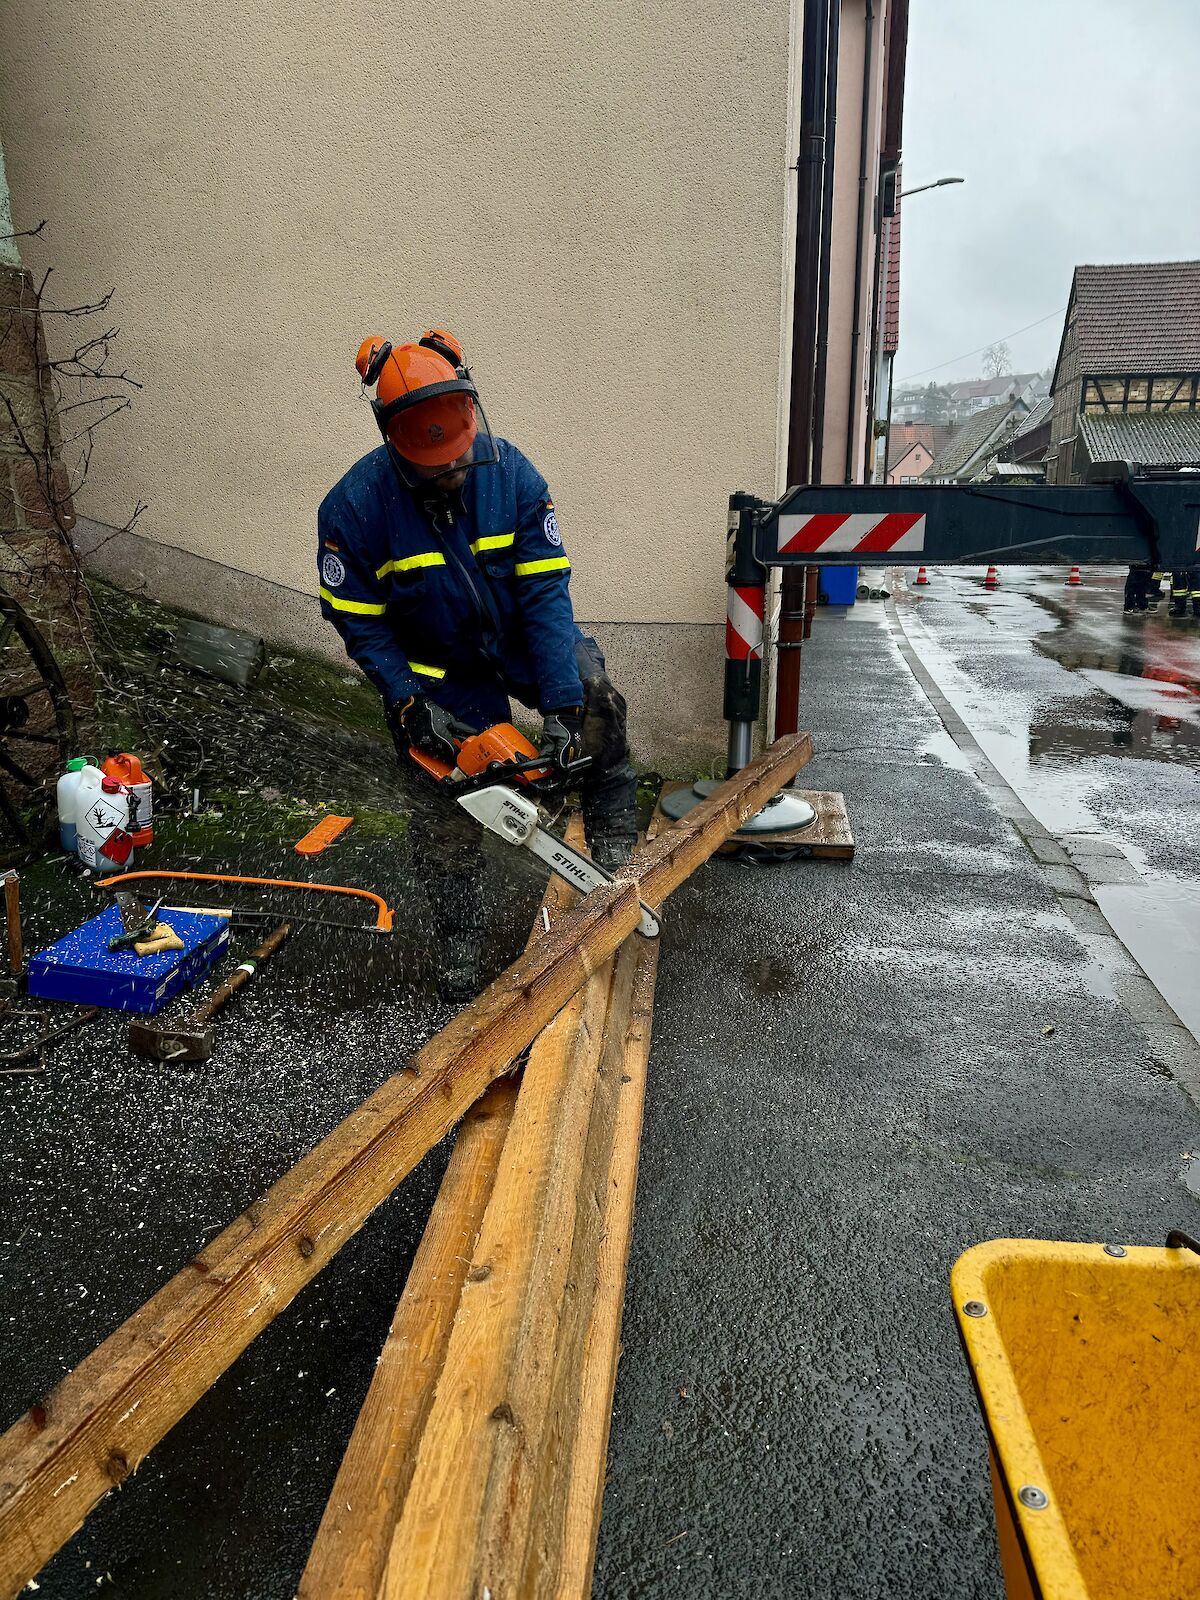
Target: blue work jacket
[[464, 598]]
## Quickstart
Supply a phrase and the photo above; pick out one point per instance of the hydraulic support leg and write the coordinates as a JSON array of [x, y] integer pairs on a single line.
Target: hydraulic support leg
[[746, 599], [746, 588]]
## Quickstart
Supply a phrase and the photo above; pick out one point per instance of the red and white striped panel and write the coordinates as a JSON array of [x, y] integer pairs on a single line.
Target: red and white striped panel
[[856, 534], [744, 624]]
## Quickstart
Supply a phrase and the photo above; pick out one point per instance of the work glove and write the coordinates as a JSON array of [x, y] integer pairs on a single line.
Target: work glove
[[562, 737], [431, 727]]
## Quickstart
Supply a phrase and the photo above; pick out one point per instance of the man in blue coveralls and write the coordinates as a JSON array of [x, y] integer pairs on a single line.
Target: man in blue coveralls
[[443, 569]]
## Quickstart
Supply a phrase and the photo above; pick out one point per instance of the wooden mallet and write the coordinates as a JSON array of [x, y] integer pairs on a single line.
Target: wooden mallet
[[192, 1039]]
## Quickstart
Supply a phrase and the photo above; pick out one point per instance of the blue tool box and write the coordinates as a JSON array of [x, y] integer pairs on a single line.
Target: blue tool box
[[81, 968]]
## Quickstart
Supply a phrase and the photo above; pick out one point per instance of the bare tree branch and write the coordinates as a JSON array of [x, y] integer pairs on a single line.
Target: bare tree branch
[[25, 233]]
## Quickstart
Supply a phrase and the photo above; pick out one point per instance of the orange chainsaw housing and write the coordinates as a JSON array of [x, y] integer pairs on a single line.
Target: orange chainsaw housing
[[495, 746]]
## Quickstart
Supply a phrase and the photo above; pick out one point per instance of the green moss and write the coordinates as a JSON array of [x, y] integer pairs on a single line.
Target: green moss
[[307, 686], [314, 689], [231, 817]]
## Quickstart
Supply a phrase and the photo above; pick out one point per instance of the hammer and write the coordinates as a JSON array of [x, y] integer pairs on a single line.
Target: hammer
[[192, 1039]]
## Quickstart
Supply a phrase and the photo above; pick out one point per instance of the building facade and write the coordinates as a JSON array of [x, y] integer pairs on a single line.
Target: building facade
[[601, 205], [912, 463], [1127, 380]]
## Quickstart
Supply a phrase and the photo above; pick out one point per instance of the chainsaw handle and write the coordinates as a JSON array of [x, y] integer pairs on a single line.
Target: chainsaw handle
[[440, 771], [554, 777]]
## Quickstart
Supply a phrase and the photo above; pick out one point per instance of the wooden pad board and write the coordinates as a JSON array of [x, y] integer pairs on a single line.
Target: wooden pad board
[[828, 836]]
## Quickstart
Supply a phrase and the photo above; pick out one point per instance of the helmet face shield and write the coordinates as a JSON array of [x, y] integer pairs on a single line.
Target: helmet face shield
[[433, 433], [426, 406], [479, 445]]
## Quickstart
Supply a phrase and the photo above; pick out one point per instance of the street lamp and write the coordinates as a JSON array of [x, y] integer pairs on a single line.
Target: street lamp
[[885, 239], [938, 183]]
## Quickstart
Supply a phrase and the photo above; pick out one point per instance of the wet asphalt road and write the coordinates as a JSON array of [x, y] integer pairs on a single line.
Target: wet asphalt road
[[1093, 717], [849, 1085]]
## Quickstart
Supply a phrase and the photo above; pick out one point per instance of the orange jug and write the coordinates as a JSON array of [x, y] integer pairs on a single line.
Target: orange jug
[[128, 770]]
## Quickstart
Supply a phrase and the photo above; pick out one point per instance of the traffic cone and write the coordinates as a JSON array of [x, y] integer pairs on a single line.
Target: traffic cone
[[992, 581], [922, 577], [1074, 580]]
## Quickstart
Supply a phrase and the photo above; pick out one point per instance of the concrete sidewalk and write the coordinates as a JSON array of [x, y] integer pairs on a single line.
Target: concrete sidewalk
[[850, 1085]]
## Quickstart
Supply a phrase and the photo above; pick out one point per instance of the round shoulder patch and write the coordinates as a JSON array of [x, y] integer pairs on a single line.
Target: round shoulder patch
[[333, 572], [550, 528]]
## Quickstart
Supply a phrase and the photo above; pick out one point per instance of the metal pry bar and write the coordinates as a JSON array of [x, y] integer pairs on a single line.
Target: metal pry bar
[[516, 820]]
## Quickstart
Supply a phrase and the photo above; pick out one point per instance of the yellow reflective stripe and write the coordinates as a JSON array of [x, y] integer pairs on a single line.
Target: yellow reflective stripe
[[427, 558], [525, 569], [430, 672], [494, 541], [361, 608]]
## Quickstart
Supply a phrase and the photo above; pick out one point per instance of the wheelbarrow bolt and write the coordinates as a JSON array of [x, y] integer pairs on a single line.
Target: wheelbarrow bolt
[[1033, 1498], [974, 1308], [1117, 1250]]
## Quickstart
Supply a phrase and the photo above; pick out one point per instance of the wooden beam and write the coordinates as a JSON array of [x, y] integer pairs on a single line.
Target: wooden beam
[[350, 1550], [95, 1426], [565, 1551], [467, 1511], [587, 1230]]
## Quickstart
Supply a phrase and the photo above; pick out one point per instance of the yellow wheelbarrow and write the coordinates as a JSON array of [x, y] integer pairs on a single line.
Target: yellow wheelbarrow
[[1086, 1360]]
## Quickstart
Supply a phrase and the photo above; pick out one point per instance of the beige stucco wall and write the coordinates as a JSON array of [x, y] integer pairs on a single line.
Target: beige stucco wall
[[592, 198]]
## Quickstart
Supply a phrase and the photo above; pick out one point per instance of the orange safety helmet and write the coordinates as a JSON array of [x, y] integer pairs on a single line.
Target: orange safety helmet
[[424, 397]]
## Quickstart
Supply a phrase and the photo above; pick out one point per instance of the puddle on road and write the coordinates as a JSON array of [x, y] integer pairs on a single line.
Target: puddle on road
[[1159, 924], [769, 978], [1129, 687]]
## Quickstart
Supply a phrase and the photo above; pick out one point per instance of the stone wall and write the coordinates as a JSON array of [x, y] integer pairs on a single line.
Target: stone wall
[[35, 497]]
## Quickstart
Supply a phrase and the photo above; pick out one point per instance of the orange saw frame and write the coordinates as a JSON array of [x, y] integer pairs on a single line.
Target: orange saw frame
[[383, 916]]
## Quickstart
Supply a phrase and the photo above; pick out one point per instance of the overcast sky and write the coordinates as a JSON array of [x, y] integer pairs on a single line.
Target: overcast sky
[[1076, 124]]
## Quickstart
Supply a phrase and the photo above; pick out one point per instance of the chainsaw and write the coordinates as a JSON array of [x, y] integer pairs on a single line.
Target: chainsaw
[[486, 766]]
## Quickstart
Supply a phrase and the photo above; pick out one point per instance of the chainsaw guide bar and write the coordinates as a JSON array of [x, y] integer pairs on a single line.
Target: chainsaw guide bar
[[516, 820]]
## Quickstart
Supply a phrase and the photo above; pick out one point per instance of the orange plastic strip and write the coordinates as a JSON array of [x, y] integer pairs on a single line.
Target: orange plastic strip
[[322, 836], [383, 918]]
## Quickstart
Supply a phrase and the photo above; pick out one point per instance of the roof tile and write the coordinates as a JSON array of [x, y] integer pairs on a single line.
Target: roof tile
[[971, 437], [1149, 438], [1139, 317]]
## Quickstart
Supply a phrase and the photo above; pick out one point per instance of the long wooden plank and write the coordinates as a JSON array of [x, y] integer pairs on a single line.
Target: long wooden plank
[[471, 1487], [518, 1400], [562, 1549], [352, 1544], [350, 1550], [65, 1454], [349, 1553]]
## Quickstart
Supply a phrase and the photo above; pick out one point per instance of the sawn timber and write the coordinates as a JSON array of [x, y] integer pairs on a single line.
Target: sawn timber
[[60, 1459]]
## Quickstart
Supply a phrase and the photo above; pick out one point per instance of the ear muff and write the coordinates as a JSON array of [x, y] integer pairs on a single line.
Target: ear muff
[[443, 344], [375, 364], [372, 353]]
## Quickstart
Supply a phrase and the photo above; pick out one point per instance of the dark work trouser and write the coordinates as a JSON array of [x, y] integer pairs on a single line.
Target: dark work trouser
[[608, 790], [1185, 586], [1139, 587]]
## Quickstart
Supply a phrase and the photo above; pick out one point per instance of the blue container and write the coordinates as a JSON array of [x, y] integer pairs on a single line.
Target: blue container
[[839, 585], [81, 968]]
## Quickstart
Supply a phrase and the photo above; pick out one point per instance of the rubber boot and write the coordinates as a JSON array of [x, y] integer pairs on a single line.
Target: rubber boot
[[460, 977], [608, 791], [612, 852]]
